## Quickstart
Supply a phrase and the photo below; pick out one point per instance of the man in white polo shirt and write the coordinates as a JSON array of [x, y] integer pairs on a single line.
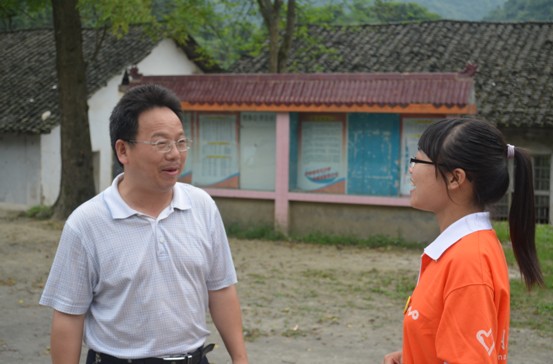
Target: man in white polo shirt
[[139, 265]]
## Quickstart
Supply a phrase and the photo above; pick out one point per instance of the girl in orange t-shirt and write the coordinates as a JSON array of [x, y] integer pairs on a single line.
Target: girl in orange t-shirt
[[459, 311]]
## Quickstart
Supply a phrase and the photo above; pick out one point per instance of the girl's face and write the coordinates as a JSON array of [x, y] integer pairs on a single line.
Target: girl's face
[[429, 192]]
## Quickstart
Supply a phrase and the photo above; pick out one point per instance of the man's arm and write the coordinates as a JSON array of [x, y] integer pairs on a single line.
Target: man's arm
[[224, 307], [66, 338]]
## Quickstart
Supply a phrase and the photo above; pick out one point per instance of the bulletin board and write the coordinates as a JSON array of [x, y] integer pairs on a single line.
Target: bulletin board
[[373, 154], [257, 150], [412, 129], [216, 153], [321, 162]]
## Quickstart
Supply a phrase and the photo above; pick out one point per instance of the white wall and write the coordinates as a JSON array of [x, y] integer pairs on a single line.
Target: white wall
[[20, 170], [50, 171], [165, 59]]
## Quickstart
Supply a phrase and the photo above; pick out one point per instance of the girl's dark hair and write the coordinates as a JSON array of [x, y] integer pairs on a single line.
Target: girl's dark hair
[[478, 147], [123, 122]]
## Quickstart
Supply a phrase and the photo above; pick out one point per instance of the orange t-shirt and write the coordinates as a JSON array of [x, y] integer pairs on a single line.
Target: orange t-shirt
[[459, 311]]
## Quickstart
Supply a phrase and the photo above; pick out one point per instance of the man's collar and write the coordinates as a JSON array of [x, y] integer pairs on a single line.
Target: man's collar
[[120, 210], [181, 200], [115, 203], [454, 232]]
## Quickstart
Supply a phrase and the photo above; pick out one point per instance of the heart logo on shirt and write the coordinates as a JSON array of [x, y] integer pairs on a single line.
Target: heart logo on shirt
[[483, 337]]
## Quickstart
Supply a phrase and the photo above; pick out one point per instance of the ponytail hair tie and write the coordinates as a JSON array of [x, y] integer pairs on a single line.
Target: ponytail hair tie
[[510, 151]]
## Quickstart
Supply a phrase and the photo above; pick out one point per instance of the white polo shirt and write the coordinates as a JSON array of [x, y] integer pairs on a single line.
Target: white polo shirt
[[142, 282]]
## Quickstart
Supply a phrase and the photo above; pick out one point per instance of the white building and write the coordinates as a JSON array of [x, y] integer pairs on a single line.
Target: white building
[[30, 157]]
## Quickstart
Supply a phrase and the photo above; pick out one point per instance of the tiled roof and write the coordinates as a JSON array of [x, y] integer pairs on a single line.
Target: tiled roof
[[514, 82], [285, 91], [28, 73]]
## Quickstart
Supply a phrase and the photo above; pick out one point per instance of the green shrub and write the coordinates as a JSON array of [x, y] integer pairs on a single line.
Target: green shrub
[[40, 212]]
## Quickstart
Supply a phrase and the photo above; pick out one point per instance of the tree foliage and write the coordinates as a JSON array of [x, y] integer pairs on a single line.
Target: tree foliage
[[523, 10], [389, 11], [16, 14], [274, 15], [473, 10]]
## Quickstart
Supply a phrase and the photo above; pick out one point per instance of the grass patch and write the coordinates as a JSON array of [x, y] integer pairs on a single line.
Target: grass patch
[[531, 309], [294, 332], [375, 241], [252, 334], [256, 232], [268, 233], [40, 212]]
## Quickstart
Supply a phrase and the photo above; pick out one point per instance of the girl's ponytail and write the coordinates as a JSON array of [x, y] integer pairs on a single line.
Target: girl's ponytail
[[522, 221]]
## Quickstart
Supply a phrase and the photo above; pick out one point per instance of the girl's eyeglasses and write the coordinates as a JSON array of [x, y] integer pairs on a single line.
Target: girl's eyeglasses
[[414, 161]]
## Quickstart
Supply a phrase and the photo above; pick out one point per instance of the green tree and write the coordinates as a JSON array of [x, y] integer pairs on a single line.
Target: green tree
[[279, 42], [523, 10], [390, 11], [16, 14]]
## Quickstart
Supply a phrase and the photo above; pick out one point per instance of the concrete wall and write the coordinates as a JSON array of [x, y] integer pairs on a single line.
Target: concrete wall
[[246, 212], [362, 221], [334, 219]]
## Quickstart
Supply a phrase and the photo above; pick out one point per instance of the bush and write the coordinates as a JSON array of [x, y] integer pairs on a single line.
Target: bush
[[40, 212]]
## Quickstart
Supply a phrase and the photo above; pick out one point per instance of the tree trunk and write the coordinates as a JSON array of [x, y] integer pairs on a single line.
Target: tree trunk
[[271, 16], [284, 49], [279, 45], [77, 183]]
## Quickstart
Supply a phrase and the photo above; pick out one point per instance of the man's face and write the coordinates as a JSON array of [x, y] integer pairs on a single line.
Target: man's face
[[147, 168]]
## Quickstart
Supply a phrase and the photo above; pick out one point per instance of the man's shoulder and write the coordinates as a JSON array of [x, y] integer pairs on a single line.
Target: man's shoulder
[[192, 191], [91, 210]]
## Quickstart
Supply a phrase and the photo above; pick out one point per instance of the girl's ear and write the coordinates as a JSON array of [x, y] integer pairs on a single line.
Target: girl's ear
[[121, 150], [456, 178]]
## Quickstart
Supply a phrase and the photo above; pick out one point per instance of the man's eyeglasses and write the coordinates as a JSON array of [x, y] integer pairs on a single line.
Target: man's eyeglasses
[[165, 146], [414, 161]]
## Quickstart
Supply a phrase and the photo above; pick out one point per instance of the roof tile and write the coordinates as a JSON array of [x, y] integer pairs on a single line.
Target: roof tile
[[390, 89], [29, 78], [514, 83]]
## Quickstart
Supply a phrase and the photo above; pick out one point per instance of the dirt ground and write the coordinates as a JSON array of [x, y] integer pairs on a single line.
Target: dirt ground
[[301, 303]]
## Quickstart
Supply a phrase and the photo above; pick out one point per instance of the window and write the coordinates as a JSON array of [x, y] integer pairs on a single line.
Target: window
[[542, 185], [542, 198]]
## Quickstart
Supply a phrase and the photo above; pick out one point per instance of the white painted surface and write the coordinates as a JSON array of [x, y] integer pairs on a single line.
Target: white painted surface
[[50, 171], [19, 169]]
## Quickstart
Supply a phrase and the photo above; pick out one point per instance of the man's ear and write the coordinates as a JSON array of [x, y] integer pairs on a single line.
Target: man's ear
[[456, 178], [121, 151]]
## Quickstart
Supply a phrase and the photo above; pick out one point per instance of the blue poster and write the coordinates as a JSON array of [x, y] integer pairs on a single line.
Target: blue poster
[[373, 154]]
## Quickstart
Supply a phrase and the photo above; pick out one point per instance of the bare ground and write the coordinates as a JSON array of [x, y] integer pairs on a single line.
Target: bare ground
[[301, 303]]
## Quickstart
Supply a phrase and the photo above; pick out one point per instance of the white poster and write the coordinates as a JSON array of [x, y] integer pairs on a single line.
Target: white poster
[[412, 130], [216, 163], [257, 150], [321, 162]]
